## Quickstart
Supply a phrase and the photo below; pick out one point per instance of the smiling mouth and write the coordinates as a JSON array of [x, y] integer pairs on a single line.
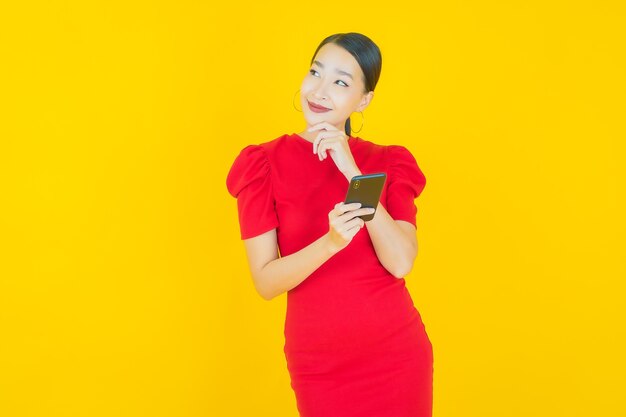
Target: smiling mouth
[[317, 108]]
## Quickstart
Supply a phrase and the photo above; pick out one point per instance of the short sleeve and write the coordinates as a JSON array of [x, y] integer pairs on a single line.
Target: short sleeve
[[406, 182], [249, 180]]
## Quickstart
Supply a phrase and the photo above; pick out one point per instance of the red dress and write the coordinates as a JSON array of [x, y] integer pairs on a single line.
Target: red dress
[[355, 345]]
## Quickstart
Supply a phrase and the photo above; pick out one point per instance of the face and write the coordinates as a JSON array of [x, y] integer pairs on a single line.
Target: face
[[334, 81]]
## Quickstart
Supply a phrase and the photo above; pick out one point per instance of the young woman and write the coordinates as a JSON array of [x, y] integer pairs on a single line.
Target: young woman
[[355, 344]]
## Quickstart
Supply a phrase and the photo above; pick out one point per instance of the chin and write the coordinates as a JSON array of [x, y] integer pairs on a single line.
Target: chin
[[314, 118]]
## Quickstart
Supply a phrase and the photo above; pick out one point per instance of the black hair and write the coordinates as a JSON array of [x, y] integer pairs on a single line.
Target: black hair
[[366, 53]]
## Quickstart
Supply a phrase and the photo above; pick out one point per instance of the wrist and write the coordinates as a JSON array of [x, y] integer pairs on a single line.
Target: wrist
[[329, 245], [353, 172]]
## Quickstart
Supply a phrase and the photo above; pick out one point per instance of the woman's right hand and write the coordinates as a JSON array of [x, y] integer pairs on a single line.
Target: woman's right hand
[[344, 224]]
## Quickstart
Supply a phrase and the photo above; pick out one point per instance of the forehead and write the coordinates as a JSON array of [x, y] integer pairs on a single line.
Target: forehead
[[334, 56]]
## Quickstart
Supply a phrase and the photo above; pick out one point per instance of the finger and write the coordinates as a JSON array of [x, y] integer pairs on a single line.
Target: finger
[[347, 230], [334, 212], [356, 214], [342, 207], [326, 126], [320, 150], [357, 221], [349, 214], [323, 135], [349, 206], [316, 142], [352, 227], [332, 145], [327, 146]]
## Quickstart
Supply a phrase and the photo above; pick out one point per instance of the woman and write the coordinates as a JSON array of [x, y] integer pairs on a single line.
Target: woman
[[355, 344]]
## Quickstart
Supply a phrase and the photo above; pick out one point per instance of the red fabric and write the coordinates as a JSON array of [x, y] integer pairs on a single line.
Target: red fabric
[[250, 181], [355, 344]]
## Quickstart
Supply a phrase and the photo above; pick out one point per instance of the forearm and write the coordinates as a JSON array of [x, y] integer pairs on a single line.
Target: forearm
[[287, 272], [393, 247]]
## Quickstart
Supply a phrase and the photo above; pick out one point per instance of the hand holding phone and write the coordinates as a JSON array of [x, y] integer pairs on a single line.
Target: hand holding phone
[[344, 223], [366, 189]]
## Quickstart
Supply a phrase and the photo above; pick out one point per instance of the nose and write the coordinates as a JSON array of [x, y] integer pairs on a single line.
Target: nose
[[320, 91]]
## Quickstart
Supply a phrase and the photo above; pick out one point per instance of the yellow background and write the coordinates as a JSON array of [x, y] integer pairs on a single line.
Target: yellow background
[[124, 288]]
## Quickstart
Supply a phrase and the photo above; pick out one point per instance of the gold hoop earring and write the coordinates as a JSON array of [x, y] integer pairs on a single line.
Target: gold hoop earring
[[362, 123], [293, 101]]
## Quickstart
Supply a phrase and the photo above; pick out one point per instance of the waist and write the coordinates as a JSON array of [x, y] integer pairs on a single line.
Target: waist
[[331, 320]]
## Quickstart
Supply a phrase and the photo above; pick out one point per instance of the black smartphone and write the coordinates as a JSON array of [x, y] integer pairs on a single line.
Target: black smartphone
[[366, 189]]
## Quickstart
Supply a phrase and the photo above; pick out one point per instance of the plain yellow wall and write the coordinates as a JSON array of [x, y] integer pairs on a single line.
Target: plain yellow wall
[[124, 287]]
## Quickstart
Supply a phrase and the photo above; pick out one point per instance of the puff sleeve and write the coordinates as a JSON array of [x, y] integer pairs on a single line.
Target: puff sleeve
[[249, 180], [406, 182]]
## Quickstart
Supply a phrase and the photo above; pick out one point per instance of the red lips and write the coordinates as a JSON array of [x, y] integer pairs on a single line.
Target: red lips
[[317, 108]]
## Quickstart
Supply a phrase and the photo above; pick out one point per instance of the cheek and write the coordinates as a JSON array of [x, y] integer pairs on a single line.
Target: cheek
[[307, 86], [343, 102]]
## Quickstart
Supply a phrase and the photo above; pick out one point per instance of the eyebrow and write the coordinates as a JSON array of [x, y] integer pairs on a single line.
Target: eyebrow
[[337, 71]]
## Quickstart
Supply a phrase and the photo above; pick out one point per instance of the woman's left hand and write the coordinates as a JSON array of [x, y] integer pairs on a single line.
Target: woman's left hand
[[335, 141]]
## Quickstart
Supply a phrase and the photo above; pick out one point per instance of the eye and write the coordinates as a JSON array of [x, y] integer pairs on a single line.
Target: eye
[[312, 71]]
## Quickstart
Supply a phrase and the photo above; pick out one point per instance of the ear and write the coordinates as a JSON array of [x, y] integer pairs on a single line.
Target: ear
[[365, 101]]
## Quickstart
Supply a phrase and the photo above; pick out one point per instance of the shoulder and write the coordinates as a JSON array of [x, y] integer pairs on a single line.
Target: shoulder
[[393, 154], [251, 165], [266, 149], [399, 153], [402, 165], [368, 147]]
